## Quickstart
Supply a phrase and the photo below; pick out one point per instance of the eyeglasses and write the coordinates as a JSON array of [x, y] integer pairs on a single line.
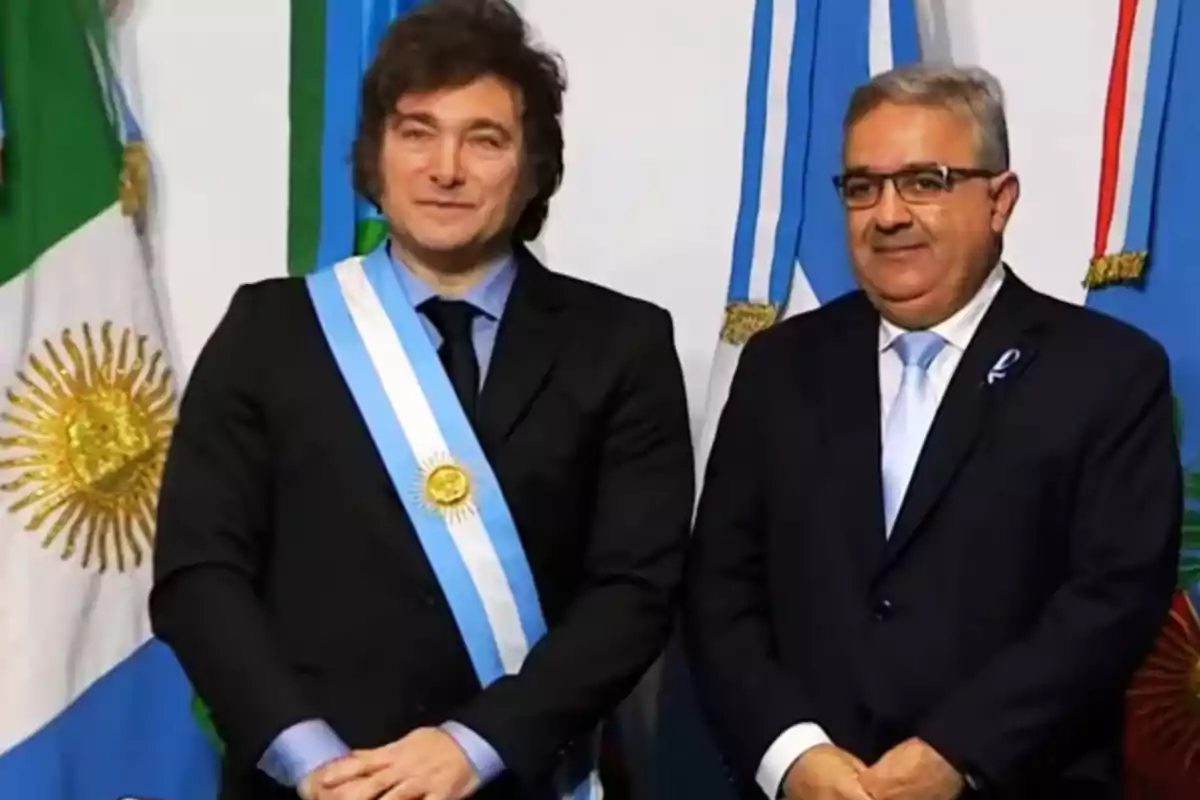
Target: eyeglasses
[[917, 185]]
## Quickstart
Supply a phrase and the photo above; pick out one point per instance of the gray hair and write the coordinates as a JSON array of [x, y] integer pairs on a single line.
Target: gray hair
[[972, 93]]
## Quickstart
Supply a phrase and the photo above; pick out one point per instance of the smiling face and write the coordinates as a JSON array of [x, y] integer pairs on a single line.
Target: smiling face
[[452, 169], [920, 262]]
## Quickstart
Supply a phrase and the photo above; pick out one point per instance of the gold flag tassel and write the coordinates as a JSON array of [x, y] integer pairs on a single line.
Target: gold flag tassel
[[135, 179], [1124, 267], [133, 184], [744, 318]]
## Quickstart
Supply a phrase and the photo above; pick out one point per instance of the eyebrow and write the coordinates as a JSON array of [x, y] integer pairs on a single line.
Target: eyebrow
[[477, 124], [908, 166]]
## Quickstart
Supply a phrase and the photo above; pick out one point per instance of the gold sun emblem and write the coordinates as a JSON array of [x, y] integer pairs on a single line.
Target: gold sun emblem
[[1163, 704], [91, 438], [446, 487]]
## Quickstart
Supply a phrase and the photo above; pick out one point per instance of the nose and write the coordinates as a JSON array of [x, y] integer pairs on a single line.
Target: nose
[[447, 169], [891, 211]]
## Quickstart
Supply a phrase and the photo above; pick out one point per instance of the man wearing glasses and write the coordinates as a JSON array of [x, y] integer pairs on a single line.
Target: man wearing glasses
[[941, 517]]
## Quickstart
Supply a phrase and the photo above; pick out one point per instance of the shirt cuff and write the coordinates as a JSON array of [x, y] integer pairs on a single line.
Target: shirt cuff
[[483, 757], [783, 753], [299, 750]]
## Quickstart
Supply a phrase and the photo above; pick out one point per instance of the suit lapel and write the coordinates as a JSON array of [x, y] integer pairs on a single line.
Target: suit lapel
[[526, 346], [970, 399], [851, 413]]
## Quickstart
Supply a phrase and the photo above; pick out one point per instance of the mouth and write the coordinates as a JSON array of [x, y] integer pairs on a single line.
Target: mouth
[[445, 205], [898, 251]]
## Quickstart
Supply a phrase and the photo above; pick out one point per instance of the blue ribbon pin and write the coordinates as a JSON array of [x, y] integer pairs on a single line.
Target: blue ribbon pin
[[1000, 369]]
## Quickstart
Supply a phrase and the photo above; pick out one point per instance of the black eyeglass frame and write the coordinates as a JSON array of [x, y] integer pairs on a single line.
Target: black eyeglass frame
[[950, 176]]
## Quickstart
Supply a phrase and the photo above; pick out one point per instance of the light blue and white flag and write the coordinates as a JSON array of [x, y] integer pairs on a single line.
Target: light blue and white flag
[[789, 252]]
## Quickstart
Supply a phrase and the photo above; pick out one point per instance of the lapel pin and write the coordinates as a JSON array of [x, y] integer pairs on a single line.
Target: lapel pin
[[1000, 369]]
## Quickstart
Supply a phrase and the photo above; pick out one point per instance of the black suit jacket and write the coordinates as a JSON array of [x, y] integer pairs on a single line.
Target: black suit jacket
[[1029, 570], [291, 585]]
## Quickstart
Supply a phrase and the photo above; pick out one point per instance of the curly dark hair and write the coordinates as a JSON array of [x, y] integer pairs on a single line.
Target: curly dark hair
[[449, 43]]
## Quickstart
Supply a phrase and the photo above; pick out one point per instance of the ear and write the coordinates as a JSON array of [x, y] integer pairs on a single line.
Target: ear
[[1005, 191]]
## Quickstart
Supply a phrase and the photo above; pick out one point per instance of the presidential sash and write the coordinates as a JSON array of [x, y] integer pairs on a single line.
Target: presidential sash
[[439, 471]]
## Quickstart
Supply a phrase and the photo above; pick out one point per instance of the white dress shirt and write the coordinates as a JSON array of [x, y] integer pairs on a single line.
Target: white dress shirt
[[957, 330]]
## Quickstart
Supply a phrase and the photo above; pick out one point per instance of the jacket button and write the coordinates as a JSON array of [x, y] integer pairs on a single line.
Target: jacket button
[[883, 610]]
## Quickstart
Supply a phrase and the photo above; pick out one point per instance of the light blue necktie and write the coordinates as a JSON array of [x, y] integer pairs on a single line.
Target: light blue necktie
[[911, 415]]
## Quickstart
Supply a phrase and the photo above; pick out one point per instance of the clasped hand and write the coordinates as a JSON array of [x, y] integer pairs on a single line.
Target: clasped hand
[[910, 771], [427, 764]]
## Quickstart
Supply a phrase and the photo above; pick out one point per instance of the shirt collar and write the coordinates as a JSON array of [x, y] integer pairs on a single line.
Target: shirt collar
[[958, 329], [489, 295]]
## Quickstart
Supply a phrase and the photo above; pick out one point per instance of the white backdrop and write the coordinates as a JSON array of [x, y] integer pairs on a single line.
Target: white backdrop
[[653, 128]]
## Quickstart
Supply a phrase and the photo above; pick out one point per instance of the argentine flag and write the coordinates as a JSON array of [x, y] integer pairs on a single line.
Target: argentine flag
[[91, 706], [789, 252]]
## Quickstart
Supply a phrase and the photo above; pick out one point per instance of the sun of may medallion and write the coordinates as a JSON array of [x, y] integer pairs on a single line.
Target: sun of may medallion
[[445, 487], [85, 433]]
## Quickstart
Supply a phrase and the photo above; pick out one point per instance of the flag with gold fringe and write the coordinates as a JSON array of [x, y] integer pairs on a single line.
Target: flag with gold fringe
[[1143, 271], [1133, 125], [788, 249], [91, 704]]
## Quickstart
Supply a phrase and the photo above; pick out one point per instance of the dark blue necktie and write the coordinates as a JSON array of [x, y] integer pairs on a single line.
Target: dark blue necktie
[[453, 320]]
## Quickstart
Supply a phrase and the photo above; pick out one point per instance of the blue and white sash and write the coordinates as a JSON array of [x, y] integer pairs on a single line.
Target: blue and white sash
[[439, 471]]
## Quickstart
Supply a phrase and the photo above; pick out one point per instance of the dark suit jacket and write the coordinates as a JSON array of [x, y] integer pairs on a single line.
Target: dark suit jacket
[[291, 585], [1029, 570]]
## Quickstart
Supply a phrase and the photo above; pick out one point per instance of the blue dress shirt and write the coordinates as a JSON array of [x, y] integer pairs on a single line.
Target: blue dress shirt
[[307, 745], [489, 295]]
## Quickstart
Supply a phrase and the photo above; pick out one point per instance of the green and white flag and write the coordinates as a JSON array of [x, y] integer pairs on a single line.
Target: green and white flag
[[93, 706]]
